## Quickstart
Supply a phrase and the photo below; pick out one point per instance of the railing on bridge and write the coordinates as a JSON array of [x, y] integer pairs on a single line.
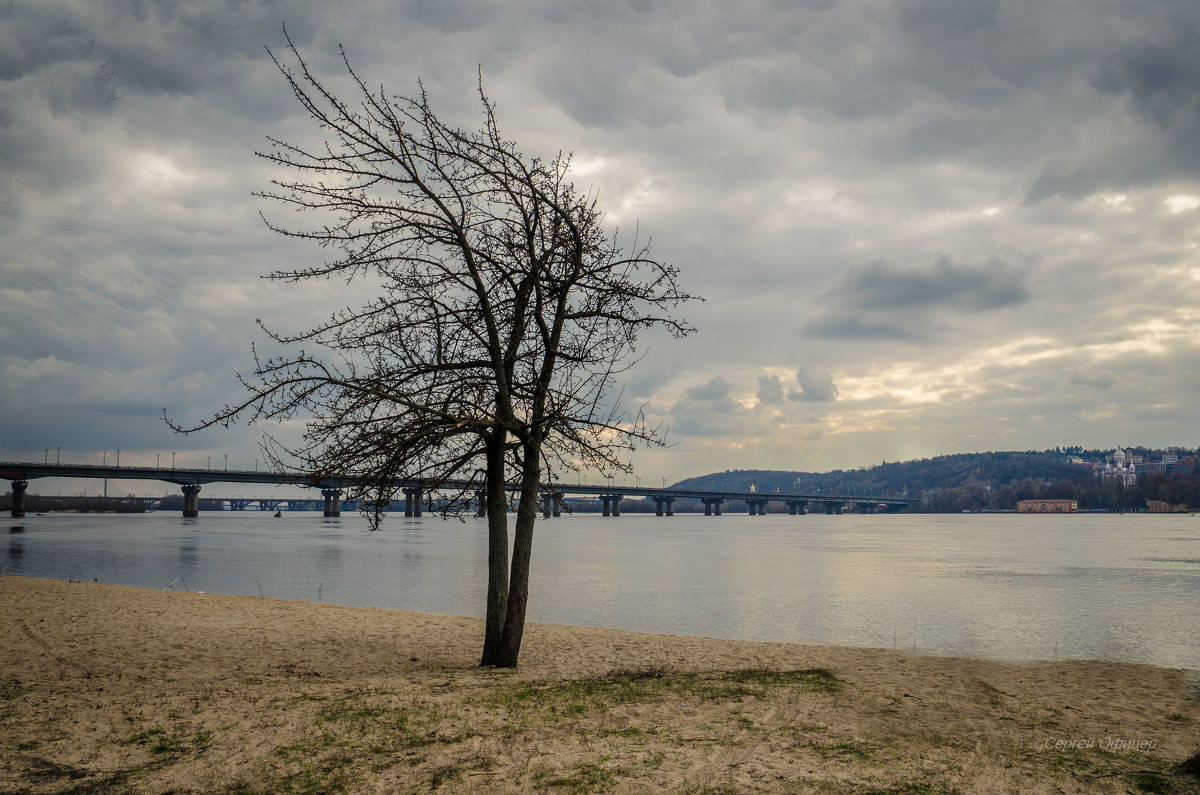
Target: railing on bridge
[[416, 496]]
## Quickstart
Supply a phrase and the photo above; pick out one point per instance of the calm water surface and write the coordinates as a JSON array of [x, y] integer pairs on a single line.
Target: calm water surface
[[999, 586]]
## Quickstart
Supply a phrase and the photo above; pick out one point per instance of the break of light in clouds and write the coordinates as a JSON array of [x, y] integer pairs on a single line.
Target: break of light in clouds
[[922, 227]]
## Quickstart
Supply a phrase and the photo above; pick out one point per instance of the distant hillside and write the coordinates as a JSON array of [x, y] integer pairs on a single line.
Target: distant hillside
[[970, 481], [948, 471]]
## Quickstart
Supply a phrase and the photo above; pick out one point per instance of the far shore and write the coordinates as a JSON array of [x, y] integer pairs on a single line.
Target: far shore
[[115, 689]]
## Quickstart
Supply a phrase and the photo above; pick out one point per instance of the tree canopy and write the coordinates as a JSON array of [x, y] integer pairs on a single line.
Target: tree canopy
[[506, 313]]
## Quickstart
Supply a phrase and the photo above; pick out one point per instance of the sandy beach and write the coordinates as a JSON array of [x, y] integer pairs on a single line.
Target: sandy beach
[[114, 689]]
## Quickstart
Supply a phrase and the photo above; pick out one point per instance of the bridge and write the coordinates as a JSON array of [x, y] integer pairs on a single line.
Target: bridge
[[416, 495]]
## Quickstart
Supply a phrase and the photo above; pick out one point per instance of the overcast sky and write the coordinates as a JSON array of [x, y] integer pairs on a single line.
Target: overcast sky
[[921, 227]]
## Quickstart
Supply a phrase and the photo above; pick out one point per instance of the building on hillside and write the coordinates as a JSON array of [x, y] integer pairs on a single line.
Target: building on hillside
[[1047, 506], [1160, 506], [1184, 466], [1118, 468]]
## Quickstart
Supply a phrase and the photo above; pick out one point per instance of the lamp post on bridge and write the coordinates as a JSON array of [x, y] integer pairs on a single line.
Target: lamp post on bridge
[[172, 459], [47, 461], [227, 462], [57, 456], [118, 458]]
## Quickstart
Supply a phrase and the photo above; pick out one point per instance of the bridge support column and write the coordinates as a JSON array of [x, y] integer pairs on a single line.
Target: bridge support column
[[712, 505], [670, 501], [547, 505], [333, 502], [611, 503], [191, 500], [480, 503], [758, 506], [412, 503], [18, 497]]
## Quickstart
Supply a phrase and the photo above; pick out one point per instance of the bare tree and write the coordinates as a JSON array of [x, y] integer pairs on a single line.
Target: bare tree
[[504, 317]]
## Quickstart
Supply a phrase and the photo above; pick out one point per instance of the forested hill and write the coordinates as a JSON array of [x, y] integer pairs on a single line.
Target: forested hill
[[986, 481], [948, 471], [945, 472]]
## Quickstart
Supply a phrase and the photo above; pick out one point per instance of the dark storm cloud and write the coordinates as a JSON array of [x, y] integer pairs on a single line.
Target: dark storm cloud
[[883, 299], [1159, 72], [718, 389], [947, 285]]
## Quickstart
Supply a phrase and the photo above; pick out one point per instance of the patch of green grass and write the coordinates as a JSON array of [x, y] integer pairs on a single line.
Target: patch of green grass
[[584, 777], [364, 732], [1149, 782], [578, 697], [11, 688], [159, 741], [325, 773], [844, 750], [911, 788]]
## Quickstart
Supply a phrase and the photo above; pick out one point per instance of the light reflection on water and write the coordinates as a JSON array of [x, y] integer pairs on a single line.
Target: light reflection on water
[[995, 586]]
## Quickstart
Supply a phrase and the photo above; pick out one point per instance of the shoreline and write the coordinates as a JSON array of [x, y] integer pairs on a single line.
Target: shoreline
[[117, 688]]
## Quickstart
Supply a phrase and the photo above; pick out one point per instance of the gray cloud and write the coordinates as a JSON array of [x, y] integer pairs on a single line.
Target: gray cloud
[[770, 390], [1020, 177], [815, 387], [946, 285], [884, 300], [715, 390]]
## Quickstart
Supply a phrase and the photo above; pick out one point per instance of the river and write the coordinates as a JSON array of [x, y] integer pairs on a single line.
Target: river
[[995, 586]]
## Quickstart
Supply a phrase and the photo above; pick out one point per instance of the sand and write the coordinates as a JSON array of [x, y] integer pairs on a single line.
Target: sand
[[114, 689]]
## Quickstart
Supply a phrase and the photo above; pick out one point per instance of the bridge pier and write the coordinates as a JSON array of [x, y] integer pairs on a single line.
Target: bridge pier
[[481, 504], [664, 506], [611, 504], [412, 502], [712, 505], [18, 497], [757, 506], [333, 502], [797, 507], [191, 500]]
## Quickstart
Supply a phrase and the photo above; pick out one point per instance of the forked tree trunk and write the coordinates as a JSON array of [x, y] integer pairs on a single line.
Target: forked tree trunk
[[518, 581], [497, 519]]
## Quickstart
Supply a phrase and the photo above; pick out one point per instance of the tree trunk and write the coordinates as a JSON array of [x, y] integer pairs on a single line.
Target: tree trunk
[[518, 582], [497, 519]]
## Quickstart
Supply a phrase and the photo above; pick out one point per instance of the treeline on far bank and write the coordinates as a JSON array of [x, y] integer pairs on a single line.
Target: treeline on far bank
[[993, 481], [36, 503]]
